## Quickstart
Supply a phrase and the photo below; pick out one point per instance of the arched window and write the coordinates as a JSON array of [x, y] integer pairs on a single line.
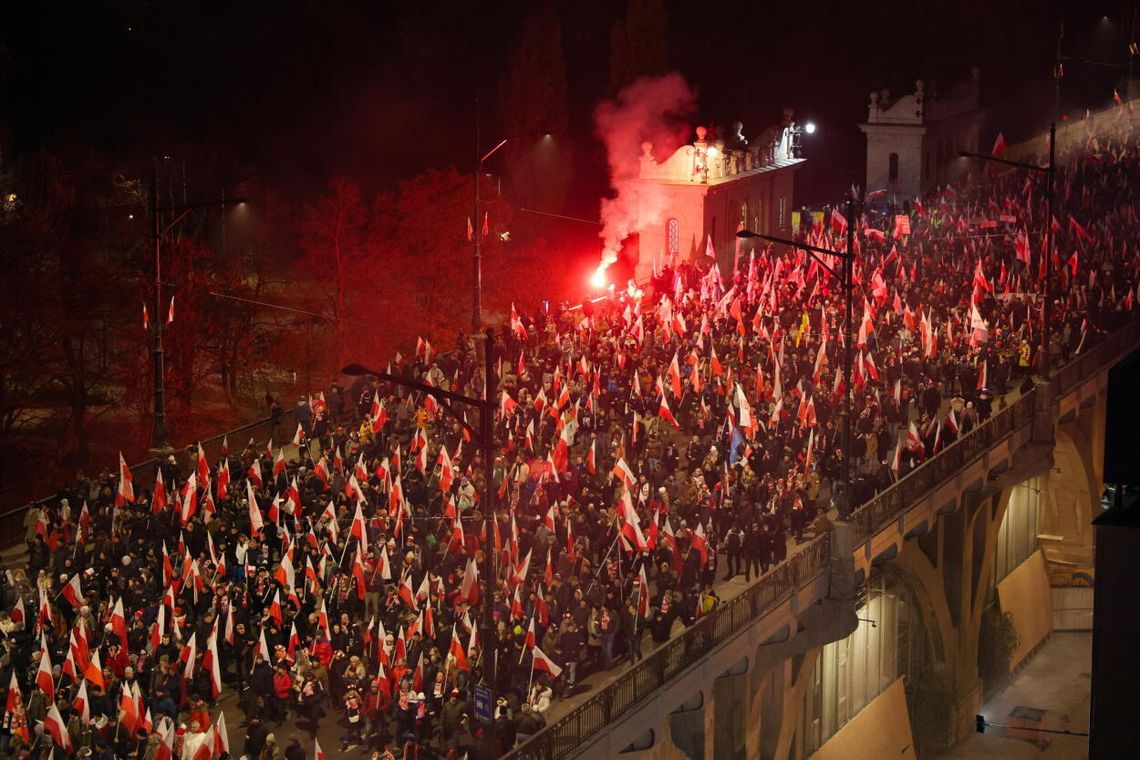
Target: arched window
[[893, 167]]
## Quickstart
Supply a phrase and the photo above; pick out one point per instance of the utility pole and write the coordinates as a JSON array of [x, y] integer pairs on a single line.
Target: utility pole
[[476, 232], [487, 441], [485, 437], [845, 504], [158, 443], [1047, 306]]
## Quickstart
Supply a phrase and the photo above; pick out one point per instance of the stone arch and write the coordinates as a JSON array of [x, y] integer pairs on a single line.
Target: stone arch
[[1070, 495]]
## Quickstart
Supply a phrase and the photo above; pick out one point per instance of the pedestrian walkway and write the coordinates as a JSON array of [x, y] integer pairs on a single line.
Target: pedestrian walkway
[[1056, 680], [587, 687]]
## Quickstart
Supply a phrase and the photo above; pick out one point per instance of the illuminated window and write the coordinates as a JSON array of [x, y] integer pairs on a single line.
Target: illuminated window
[[893, 168], [780, 215]]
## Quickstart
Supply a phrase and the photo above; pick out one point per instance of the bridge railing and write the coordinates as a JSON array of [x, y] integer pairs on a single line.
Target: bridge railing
[[890, 502], [1093, 361], [565, 735], [887, 504]]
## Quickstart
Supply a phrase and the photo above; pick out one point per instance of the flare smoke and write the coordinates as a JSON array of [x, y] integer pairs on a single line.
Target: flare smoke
[[654, 110]]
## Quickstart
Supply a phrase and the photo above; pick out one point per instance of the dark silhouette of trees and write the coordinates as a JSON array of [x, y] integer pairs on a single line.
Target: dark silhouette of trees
[[535, 103], [638, 45]]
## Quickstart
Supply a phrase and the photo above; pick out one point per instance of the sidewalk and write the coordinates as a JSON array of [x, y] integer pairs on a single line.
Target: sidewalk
[[1056, 680]]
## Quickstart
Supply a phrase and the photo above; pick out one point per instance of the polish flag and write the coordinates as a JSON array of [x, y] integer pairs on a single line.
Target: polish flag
[[158, 501], [256, 523], [319, 754], [254, 473], [17, 717], [275, 607], [457, 651], [405, 592], [190, 498], [622, 472], [838, 221], [700, 544], [358, 526], [73, 592], [358, 573], [666, 414], [222, 737], [279, 463], [190, 651], [299, 436], [545, 664], [126, 492], [44, 678], [631, 523], [469, 586], [165, 748], [675, 376], [517, 326], [592, 456], [224, 480], [506, 405], [519, 572], [128, 712], [81, 704], [54, 725], [979, 330]]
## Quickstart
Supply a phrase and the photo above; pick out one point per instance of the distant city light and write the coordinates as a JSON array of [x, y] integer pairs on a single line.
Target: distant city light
[[810, 127]]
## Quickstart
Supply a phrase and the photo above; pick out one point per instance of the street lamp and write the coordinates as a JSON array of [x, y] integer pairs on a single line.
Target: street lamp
[[844, 506], [485, 436], [477, 228], [158, 436], [1049, 171]]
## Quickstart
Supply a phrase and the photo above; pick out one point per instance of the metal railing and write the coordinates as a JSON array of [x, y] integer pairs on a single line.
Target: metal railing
[[890, 502], [1093, 361], [563, 737], [11, 522]]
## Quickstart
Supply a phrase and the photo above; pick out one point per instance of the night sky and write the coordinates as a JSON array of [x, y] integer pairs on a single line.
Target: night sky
[[379, 91]]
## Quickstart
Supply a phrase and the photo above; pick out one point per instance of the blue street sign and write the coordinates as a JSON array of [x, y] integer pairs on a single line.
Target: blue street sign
[[483, 702]]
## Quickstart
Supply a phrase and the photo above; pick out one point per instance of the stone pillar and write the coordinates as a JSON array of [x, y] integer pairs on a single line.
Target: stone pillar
[[1044, 411]]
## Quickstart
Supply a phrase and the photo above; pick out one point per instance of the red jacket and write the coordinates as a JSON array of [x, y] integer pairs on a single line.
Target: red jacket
[[282, 685]]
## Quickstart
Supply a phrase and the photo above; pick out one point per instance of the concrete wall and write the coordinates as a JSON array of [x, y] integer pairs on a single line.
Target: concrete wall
[[1025, 595], [881, 730]]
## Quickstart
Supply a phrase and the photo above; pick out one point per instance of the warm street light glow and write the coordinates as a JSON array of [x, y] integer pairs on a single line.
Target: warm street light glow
[[598, 279]]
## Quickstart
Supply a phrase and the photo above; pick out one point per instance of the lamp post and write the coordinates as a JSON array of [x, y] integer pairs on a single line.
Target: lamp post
[[844, 503], [486, 442], [158, 444], [476, 225], [1049, 171]]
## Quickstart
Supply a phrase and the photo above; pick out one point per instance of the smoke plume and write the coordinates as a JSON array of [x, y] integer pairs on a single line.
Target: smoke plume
[[654, 110]]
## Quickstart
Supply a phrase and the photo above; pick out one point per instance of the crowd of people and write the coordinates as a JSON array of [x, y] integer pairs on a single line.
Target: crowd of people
[[341, 578]]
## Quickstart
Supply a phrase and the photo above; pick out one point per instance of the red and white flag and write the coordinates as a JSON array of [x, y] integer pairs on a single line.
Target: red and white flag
[[126, 492], [545, 664], [54, 725]]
